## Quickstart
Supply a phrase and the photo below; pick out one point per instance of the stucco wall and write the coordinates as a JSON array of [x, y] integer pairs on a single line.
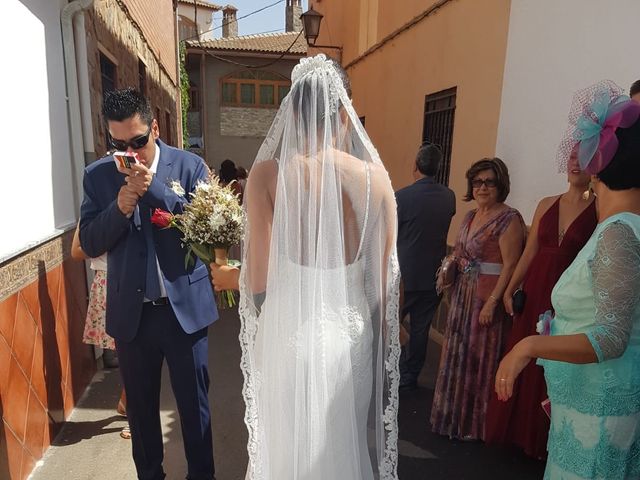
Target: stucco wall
[[461, 45], [36, 168], [554, 49]]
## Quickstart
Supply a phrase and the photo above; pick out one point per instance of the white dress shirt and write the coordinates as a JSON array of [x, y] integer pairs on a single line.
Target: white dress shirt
[[154, 168]]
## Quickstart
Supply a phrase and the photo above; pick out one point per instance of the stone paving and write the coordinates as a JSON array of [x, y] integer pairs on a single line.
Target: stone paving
[[90, 447]]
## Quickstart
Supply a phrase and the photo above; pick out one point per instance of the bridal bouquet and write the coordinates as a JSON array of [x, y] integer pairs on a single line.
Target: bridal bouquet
[[210, 224]]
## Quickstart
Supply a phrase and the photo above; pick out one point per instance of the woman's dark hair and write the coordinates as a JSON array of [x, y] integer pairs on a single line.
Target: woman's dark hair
[[499, 169], [118, 105], [228, 171], [242, 173], [623, 172]]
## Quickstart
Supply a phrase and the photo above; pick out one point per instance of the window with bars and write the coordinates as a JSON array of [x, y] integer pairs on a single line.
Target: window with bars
[[167, 128], [107, 74], [142, 77], [439, 112], [259, 88], [108, 77]]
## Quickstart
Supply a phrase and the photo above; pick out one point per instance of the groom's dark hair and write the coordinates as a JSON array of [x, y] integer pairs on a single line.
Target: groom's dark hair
[[118, 105]]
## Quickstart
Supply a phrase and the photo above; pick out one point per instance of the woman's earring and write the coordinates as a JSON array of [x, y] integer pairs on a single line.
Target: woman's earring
[[587, 192]]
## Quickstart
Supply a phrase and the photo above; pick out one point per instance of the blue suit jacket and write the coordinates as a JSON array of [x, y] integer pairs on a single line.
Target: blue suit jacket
[[103, 228]]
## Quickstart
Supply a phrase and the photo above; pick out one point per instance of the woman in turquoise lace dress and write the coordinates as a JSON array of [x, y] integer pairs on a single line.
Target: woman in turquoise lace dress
[[592, 356]]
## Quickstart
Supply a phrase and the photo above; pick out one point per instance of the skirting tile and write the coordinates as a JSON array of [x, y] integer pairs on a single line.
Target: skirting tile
[[24, 269]]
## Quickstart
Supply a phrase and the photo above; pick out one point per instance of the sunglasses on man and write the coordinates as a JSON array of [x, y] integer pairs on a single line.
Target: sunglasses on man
[[135, 143]]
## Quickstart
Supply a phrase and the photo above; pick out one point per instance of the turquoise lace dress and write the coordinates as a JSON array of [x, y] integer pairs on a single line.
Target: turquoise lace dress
[[595, 408]]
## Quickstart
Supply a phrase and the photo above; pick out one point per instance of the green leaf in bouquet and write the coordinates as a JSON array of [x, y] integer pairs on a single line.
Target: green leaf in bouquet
[[203, 252], [189, 261]]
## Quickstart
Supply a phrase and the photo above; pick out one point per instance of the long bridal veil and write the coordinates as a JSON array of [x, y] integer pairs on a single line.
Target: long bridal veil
[[319, 293]]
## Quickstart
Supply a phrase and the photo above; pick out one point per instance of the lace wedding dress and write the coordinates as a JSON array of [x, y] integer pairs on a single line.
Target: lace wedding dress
[[319, 293]]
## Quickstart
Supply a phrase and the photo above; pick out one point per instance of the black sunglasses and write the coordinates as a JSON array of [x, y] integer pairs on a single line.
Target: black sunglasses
[[135, 143], [489, 183]]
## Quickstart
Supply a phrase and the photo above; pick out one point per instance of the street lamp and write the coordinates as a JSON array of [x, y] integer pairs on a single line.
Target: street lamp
[[311, 22]]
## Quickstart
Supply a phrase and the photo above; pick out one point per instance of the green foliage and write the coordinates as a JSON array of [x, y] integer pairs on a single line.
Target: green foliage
[[184, 95]]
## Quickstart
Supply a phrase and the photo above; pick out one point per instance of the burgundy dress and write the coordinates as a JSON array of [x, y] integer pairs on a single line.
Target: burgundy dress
[[521, 420]]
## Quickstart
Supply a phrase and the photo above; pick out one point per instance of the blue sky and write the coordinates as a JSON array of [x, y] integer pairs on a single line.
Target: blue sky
[[265, 21]]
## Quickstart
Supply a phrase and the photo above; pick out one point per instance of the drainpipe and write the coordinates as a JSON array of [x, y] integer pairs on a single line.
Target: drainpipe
[[82, 63], [76, 135]]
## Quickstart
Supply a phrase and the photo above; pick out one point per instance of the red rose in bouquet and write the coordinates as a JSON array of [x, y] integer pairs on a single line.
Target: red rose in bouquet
[[162, 218]]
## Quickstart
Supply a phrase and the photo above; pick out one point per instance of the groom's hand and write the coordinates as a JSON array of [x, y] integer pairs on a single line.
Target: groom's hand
[[224, 277], [138, 178], [127, 200]]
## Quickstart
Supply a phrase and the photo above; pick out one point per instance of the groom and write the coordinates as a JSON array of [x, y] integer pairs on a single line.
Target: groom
[[156, 309]]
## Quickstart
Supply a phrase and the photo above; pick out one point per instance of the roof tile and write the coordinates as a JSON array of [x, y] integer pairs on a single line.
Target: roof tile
[[261, 43]]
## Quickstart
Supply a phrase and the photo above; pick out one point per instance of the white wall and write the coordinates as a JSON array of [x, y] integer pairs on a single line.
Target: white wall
[[555, 48], [205, 19], [35, 167]]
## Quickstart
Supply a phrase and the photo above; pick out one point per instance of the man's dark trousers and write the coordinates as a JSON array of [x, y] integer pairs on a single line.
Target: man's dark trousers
[[421, 306], [161, 337]]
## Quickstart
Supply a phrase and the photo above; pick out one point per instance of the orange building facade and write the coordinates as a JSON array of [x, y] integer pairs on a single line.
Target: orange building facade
[[400, 56]]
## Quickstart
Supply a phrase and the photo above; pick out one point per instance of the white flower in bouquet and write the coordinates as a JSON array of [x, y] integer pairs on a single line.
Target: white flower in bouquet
[[214, 219]]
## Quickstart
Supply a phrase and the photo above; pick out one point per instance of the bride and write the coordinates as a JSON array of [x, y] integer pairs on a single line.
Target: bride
[[319, 292]]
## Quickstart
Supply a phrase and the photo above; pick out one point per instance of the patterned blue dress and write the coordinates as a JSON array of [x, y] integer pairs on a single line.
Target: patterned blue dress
[[595, 408]]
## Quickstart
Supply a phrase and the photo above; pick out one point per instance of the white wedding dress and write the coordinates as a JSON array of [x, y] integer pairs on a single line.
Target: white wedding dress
[[319, 293]]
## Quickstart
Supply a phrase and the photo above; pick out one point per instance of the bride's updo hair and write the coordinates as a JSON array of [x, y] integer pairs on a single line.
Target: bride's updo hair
[[308, 88], [342, 73]]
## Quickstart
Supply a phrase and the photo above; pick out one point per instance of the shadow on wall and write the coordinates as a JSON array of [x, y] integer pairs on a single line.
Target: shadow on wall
[[51, 355]]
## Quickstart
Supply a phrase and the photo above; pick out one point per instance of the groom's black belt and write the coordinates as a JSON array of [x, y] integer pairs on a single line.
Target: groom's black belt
[[160, 301]]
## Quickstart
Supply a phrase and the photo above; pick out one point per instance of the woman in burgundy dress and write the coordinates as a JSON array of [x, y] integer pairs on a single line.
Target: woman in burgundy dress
[[561, 226]]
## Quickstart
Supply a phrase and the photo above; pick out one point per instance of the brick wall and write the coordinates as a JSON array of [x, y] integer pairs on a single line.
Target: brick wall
[[156, 21], [113, 31], [246, 122]]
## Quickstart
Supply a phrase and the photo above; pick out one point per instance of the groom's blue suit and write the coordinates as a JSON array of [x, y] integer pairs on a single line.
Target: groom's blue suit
[[146, 333]]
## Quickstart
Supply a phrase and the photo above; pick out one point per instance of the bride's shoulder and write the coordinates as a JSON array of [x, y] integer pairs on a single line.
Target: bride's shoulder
[[263, 170]]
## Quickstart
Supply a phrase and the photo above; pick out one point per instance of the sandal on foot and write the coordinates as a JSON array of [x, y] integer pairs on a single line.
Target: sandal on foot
[[121, 409], [126, 433]]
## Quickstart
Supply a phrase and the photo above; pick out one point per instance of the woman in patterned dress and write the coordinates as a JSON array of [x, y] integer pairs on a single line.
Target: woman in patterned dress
[[487, 250], [94, 329]]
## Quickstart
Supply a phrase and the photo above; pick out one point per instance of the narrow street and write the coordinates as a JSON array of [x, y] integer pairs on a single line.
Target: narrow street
[[90, 448]]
